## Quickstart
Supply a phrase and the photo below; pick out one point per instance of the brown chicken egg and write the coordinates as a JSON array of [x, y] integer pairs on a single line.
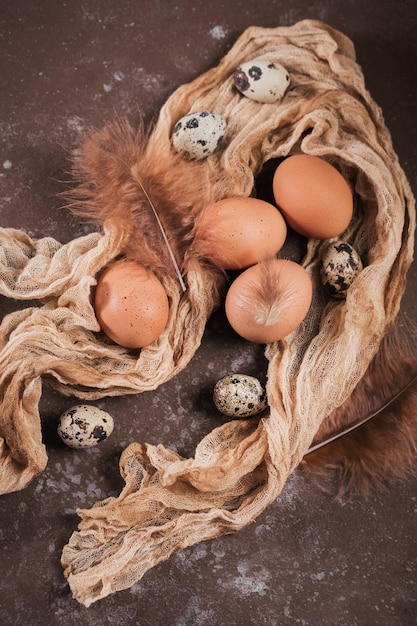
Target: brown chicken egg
[[313, 196], [131, 304], [269, 300], [237, 232]]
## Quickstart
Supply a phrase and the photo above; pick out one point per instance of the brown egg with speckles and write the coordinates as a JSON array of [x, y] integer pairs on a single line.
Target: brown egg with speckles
[[131, 304], [237, 232]]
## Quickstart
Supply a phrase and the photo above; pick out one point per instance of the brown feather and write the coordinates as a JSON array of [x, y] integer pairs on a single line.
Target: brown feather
[[273, 299], [382, 450], [123, 176]]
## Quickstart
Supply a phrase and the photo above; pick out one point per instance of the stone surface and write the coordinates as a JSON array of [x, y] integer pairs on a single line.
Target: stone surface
[[308, 559]]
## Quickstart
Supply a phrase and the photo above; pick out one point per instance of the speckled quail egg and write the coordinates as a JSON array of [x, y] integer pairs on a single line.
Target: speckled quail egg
[[340, 265], [261, 80], [239, 396], [197, 135], [84, 426]]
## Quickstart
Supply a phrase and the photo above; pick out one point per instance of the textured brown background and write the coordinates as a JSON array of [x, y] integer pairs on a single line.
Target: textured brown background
[[308, 559]]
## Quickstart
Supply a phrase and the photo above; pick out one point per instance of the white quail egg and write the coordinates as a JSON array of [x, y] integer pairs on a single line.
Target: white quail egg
[[339, 267], [84, 426], [239, 396], [197, 135], [262, 81]]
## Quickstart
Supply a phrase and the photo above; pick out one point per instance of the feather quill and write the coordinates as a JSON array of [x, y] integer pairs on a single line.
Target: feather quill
[[164, 235], [363, 421], [370, 441], [271, 300]]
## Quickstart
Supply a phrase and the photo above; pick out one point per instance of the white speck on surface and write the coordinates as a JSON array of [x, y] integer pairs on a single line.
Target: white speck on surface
[[107, 87], [318, 576], [248, 583], [76, 123], [7, 164], [119, 76], [218, 32]]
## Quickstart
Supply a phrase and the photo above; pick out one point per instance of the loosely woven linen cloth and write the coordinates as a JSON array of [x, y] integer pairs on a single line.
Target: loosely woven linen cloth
[[170, 502]]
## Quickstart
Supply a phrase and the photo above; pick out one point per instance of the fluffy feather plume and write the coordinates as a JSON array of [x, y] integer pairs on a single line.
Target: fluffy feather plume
[[272, 298], [384, 449], [145, 190]]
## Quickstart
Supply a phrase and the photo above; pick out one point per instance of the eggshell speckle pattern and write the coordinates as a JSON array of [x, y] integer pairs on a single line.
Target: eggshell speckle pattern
[[239, 396], [84, 426], [340, 265], [131, 304], [237, 231], [262, 81], [197, 135]]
